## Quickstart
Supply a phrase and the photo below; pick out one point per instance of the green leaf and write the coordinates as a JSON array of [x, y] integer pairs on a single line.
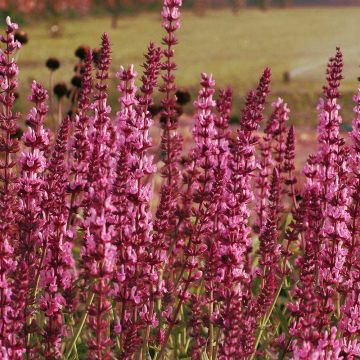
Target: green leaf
[[283, 321], [204, 356]]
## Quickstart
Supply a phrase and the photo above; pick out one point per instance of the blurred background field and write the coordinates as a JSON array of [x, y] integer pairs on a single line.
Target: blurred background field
[[235, 48]]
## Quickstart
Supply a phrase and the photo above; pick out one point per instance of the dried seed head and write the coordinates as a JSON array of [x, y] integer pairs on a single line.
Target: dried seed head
[[96, 54], [52, 64], [21, 37], [182, 96], [81, 52], [154, 109], [76, 81], [60, 90]]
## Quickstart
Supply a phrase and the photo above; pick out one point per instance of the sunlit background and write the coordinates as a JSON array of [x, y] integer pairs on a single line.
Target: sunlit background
[[232, 39]]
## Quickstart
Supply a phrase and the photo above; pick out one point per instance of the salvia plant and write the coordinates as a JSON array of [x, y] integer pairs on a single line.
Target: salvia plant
[[231, 255]]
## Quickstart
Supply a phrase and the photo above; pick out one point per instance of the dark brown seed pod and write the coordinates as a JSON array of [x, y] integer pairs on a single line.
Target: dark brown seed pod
[[182, 96], [52, 64], [18, 134], [96, 55], [60, 90], [155, 109], [81, 52], [76, 81], [21, 37]]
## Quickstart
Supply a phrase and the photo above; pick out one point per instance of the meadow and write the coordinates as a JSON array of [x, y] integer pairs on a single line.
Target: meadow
[[234, 48]]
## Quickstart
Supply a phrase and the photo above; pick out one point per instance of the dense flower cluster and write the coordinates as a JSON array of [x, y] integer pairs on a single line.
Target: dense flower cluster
[[229, 257]]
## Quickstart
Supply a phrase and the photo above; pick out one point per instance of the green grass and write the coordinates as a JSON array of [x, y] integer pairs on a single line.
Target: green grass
[[235, 48]]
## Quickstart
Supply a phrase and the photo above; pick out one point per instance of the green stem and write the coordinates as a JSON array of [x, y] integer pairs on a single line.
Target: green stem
[[81, 325], [265, 320], [161, 354], [71, 319], [216, 348], [147, 330], [60, 112], [118, 345], [211, 326], [37, 277]]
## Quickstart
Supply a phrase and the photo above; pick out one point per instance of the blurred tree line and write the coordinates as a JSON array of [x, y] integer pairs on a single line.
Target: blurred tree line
[[25, 10]]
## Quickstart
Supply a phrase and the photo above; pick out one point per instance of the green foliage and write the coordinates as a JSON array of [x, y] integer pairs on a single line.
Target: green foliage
[[234, 48]]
